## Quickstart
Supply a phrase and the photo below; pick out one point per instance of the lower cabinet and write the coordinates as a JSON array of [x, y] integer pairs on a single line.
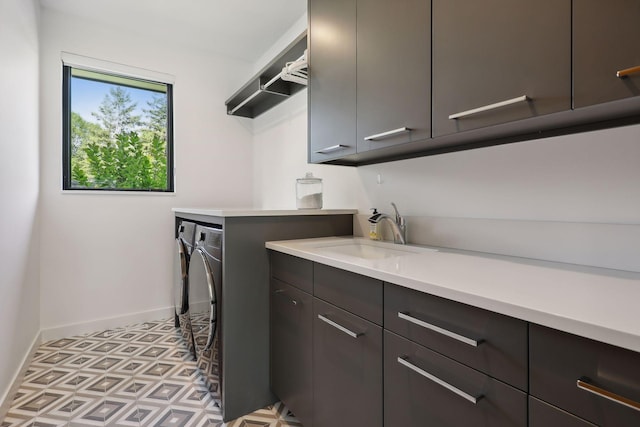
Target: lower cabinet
[[291, 344], [347, 369], [436, 362]]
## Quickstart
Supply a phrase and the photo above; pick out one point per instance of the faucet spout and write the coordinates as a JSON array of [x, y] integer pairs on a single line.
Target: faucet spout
[[397, 224]]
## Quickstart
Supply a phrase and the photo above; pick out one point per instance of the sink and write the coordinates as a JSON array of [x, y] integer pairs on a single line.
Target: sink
[[369, 251]]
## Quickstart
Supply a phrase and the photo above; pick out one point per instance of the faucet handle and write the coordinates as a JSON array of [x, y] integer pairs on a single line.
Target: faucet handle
[[399, 219]]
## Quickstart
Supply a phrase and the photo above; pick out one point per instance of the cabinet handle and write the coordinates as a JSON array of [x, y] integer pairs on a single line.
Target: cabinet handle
[[583, 385], [331, 149], [456, 390], [489, 107], [628, 71], [281, 292], [386, 134], [340, 327], [461, 338]]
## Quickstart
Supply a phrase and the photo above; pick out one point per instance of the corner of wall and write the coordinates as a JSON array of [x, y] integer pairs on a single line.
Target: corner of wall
[[7, 397]]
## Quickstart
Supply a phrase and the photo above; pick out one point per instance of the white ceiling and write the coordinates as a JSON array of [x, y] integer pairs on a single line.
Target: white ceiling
[[240, 28]]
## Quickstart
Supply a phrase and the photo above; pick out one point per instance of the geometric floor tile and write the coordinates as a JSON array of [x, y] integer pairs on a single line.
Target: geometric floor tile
[[138, 376]]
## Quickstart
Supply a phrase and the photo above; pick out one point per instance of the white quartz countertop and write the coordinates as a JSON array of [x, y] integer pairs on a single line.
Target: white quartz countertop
[[596, 303], [237, 212]]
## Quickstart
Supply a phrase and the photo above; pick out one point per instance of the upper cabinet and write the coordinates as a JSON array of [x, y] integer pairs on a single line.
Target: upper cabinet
[[369, 75], [393, 80], [498, 61], [606, 51], [393, 72], [332, 79]]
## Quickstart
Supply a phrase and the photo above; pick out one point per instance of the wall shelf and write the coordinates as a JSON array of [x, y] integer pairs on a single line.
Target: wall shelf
[[254, 98]]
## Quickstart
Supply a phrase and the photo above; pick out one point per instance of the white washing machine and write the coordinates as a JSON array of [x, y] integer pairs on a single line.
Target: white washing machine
[[205, 301], [185, 237]]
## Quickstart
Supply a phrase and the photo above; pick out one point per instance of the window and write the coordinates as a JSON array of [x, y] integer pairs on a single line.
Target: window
[[117, 132]]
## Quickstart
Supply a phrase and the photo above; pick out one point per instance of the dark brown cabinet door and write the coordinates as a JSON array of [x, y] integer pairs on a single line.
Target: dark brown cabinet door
[[498, 61], [595, 381], [394, 72], [425, 388], [606, 39], [291, 344], [332, 79], [347, 369]]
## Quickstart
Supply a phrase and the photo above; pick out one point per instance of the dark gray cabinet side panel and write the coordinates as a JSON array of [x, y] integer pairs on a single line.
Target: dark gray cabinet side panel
[[394, 71], [490, 51], [332, 78], [245, 300], [412, 400], [542, 414], [502, 352], [353, 292], [291, 349], [606, 39], [347, 371], [558, 359], [292, 270]]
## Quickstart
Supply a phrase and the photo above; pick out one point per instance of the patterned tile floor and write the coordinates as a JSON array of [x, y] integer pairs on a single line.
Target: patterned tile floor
[[136, 376]]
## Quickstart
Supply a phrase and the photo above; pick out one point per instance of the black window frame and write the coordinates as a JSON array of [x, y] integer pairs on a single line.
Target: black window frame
[[66, 136]]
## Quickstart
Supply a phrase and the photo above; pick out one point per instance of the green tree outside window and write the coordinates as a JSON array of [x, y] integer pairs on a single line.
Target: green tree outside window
[[118, 145]]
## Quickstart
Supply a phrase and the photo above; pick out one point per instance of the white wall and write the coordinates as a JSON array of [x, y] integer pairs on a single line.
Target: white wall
[[19, 289], [110, 255], [588, 177], [572, 198]]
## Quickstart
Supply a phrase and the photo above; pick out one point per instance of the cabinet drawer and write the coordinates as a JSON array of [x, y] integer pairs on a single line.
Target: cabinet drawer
[[558, 360], [347, 369], [542, 414], [291, 344], [451, 328], [358, 294], [424, 388], [293, 270]]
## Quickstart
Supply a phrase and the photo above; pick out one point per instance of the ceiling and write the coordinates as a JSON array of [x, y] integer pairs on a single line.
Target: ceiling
[[243, 29]]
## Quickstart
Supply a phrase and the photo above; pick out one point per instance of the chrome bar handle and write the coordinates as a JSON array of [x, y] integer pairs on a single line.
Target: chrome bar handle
[[454, 389], [387, 134], [340, 327], [469, 341], [489, 107], [605, 394], [331, 149], [628, 71]]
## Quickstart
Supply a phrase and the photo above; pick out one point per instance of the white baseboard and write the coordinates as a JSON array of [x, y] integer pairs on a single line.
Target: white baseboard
[[69, 330], [7, 396]]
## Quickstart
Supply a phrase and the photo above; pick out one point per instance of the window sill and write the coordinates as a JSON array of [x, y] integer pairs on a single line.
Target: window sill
[[118, 193]]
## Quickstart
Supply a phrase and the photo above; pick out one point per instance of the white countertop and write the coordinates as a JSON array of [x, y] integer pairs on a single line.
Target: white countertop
[[237, 212], [596, 303]]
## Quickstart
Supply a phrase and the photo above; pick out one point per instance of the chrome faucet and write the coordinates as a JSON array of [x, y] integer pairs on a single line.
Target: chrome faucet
[[398, 225]]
